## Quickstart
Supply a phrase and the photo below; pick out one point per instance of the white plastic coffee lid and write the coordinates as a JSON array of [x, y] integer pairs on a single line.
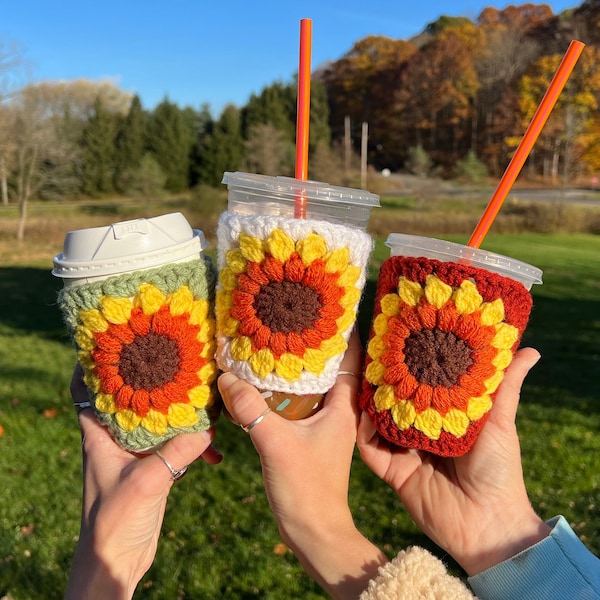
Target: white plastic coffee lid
[[417, 246], [128, 246], [255, 194]]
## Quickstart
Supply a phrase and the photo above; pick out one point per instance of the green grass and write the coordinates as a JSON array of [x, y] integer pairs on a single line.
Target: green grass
[[219, 536]]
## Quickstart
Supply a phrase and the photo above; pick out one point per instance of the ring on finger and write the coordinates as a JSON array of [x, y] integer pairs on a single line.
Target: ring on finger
[[256, 421], [79, 406], [176, 474]]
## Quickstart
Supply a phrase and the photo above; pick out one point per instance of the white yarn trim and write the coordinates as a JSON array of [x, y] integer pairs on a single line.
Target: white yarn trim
[[359, 244]]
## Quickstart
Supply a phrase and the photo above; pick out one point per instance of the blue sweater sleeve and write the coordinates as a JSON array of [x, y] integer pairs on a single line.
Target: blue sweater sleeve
[[560, 566]]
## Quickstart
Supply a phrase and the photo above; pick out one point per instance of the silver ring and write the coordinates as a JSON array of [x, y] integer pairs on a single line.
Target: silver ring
[[79, 406], [175, 474], [349, 373], [256, 421]]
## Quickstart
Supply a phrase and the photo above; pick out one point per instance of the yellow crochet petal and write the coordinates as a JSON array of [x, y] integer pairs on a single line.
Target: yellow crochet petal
[[84, 339], [289, 366], [350, 298], [228, 279], [374, 373], [467, 298], [346, 320], [430, 423], [384, 398], [223, 300], [311, 248], [506, 336], [262, 362], [229, 326], [208, 373], [455, 422], [478, 407], [350, 276], [236, 261], [92, 381], [380, 324], [207, 331], [200, 396], [502, 359], [105, 403], [93, 320], [410, 291], [279, 245], [492, 313], [155, 422], [376, 347], [181, 301], [334, 345], [150, 298], [314, 361], [209, 348], [436, 291], [390, 305], [251, 248], [491, 384], [404, 414], [337, 260], [116, 310], [127, 419], [241, 348], [182, 415]]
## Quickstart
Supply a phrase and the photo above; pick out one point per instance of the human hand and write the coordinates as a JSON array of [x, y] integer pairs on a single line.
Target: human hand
[[306, 470], [474, 506], [124, 501]]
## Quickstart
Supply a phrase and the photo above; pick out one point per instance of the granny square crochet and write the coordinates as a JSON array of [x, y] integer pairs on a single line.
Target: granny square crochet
[[442, 336], [146, 343], [287, 298]]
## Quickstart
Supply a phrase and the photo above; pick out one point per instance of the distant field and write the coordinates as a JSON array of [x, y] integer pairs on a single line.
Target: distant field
[[220, 540]]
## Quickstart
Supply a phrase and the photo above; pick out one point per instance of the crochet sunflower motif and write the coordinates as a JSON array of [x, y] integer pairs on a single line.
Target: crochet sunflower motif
[[439, 346], [146, 343], [287, 298]]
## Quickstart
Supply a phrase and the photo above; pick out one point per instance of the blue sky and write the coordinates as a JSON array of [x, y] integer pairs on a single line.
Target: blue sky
[[197, 51]]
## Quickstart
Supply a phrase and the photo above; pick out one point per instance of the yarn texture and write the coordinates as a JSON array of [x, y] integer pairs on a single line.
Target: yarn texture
[[442, 337], [287, 298], [146, 343]]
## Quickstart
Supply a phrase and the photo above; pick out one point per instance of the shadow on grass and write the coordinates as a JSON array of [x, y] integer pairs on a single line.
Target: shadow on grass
[[28, 302]]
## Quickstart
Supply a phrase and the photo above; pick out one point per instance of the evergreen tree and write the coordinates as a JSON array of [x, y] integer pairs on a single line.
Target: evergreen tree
[[223, 149], [131, 141], [204, 127], [276, 104], [170, 142], [98, 151]]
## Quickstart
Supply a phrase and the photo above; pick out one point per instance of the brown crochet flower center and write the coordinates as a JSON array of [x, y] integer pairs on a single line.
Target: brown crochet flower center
[[436, 357], [286, 306], [149, 361]]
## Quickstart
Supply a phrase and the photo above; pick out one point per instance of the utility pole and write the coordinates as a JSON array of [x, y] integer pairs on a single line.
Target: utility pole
[[363, 155], [347, 146]]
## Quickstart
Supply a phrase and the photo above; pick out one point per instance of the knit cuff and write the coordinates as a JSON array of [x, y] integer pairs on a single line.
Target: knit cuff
[[146, 343], [287, 299], [413, 575]]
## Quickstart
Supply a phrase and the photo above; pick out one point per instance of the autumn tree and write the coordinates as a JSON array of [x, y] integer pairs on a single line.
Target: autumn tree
[[268, 151]]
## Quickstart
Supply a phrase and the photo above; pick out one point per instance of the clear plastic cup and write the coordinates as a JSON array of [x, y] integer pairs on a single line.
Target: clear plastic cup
[[279, 326], [447, 321], [138, 302]]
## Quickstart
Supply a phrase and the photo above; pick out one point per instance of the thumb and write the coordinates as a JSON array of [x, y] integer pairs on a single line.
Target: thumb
[[507, 400], [242, 400]]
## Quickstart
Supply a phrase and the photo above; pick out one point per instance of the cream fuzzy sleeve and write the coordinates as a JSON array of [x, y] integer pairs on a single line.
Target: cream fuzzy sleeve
[[415, 574]]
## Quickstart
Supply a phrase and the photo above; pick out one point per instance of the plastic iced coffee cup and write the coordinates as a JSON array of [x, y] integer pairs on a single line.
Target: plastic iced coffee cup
[[447, 321], [289, 288], [138, 302]]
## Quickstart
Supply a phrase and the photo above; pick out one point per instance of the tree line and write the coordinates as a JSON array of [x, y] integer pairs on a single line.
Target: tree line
[[461, 92]]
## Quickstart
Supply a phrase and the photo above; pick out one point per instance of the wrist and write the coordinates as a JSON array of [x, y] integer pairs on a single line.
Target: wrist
[[505, 541], [335, 554], [95, 576]]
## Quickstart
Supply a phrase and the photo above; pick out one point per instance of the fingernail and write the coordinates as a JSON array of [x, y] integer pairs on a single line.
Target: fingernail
[[226, 380]]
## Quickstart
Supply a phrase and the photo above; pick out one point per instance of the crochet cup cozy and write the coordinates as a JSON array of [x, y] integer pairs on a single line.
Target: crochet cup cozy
[[441, 338], [145, 340], [287, 298]]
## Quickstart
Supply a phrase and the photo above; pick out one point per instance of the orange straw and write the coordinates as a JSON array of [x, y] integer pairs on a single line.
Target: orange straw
[[303, 113], [533, 131]]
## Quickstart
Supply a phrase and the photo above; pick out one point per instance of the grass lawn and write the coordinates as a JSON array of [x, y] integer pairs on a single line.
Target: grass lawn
[[219, 538]]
